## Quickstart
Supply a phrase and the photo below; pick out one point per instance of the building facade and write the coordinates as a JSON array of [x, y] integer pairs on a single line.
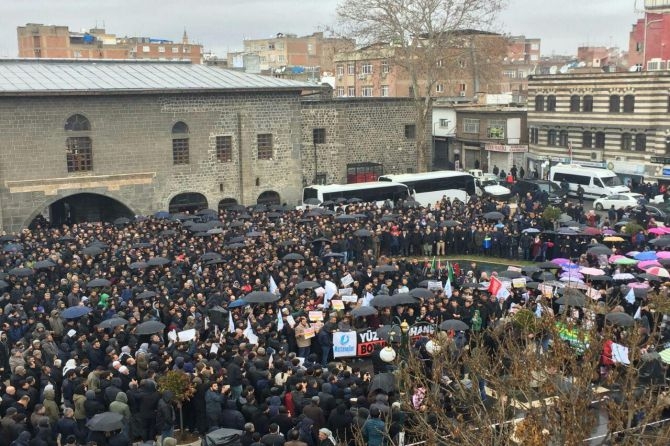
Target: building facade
[[185, 137], [615, 120], [58, 42]]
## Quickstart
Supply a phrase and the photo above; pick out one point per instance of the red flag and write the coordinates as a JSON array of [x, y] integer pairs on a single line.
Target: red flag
[[494, 286]]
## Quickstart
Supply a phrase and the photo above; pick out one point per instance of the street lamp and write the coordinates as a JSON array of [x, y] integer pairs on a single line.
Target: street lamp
[[387, 354], [433, 348]]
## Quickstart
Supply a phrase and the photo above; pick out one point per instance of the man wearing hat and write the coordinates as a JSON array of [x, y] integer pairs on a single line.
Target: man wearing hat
[[326, 437]]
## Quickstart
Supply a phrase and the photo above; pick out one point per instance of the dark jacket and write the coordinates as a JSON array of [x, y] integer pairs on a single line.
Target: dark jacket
[[165, 415]]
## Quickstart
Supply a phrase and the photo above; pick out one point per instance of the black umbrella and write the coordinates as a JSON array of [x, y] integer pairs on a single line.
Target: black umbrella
[[236, 224], [210, 256], [66, 238], [322, 240], [532, 285], [387, 218], [544, 276], [254, 234], [450, 223], [510, 274], [493, 215], [261, 297], [454, 324], [158, 261], [167, 232], [95, 283], [572, 298], [363, 312], [142, 245], [385, 269], [661, 242], [106, 422], [354, 200], [44, 264], [411, 204], [8, 238], [206, 212], [149, 327], [92, 251], [235, 245], [138, 265], [345, 217], [293, 256], [312, 201], [237, 239], [13, 247], [548, 265], [21, 272], [121, 221], [385, 382], [274, 215], [601, 279], [637, 292], [620, 318], [528, 270], [75, 312], [316, 212], [651, 277], [113, 322], [383, 300], [146, 294], [307, 285], [333, 254], [3, 285], [422, 293], [362, 233], [599, 250]]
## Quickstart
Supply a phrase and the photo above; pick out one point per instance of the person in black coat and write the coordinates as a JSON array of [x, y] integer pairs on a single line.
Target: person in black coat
[[148, 403]]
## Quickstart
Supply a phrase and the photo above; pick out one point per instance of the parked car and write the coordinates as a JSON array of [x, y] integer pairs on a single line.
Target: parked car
[[660, 212], [490, 185], [619, 201], [555, 195]]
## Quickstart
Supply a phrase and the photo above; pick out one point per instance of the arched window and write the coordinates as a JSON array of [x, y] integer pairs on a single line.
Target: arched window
[[629, 103], [539, 103], [626, 141], [640, 142], [551, 137], [180, 150], [551, 103], [587, 105], [563, 138], [587, 140], [78, 145], [615, 103], [574, 103], [600, 140]]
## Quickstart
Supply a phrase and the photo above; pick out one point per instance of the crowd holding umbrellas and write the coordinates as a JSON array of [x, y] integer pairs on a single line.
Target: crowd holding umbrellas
[[247, 302]]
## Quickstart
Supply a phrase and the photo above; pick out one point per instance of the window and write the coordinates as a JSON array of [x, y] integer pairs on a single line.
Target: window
[[539, 103], [444, 123], [224, 148], [511, 74], [626, 141], [340, 92], [410, 131], [319, 136], [470, 125], [439, 63], [187, 49], [629, 103], [563, 138], [351, 92], [574, 103], [161, 49], [146, 49], [587, 140], [496, 129], [615, 104], [534, 135], [600, 140], [366, 91], [281, 59], [640, 142], [385, 91], [385, 67], [461, 63], [340, 70], [439, 88], [264, 141], [351, 69], [175, 49], [310, 48], [551, 137], [77, 123], [462, 87], [79, 154], [366, 68], [587, 105], [180, 149], [551, 103]]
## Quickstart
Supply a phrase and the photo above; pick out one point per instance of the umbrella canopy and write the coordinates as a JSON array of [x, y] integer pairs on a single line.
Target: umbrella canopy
[[385, 382], [493, 215], [646, 264], [450, 223], [663, 255], [591, 271], [261, 297], [333, 254], [113, 322], [530, 231], [645, 255], [322, 240], [454, 324], [548, 265], [613, 239], [146, 294], [95, 283], [138, 265], [8, 238], [625, 261], [75, 312], [602, 278], [3, 285], [383, 300], [528, 270], [658, 271], [149, 327], [662, 242], [13, 247], [385, 269], [362, 233], [312, 201], [44, 264], [598, 250], [544, 276], [92, 251], [293, 256], [411, 204], [623, 276], [307, 285], [254, 234], [421, 293], [364, 312], [572, 298], [121, 221], [210, 256], [510, 274], [238, 303], [21, 272], [106, 422], [158, 261], [589, 230], [620, 319]]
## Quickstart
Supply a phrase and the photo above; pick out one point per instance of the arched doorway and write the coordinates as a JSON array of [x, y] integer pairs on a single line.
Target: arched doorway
[[86, 207], [188, 202], [227, 203], [268, 198]]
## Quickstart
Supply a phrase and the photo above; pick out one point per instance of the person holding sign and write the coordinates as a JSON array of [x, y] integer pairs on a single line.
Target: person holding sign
[[303, 336]]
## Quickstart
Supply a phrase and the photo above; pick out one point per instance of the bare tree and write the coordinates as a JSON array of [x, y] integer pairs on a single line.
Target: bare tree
[[422, 32]]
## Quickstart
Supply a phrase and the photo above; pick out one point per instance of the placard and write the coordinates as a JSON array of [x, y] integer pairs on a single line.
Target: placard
[[309, 333], [519, 282], [514, 268], [344, 344], [434, 285], [620, 354], [345, 291], [347, 280], [337, 304], [186, 335], [290, 320], [352, 299], [315, 316], [367, 340]]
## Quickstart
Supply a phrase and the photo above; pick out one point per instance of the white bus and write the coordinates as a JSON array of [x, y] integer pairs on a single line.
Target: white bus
[[429, 187], [369, 192], [596, 182]]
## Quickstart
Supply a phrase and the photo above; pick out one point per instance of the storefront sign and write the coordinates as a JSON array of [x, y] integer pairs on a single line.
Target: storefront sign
[[507, 148], [344, 344]]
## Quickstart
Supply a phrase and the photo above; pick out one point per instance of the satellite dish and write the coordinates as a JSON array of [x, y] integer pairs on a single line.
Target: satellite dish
[[553, 69]]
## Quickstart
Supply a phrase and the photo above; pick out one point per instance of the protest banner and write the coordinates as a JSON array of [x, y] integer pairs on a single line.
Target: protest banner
[[344, 344]]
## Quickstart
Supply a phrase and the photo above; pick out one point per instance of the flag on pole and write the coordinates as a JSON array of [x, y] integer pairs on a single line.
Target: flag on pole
[[450, 272], [448, 291], [439, 265], [494, 286], [330, 290], [280, 321], [538, 310], [272, 286], [638, 313], [231, 324], [249, 333], [433, 265], [630, 297]]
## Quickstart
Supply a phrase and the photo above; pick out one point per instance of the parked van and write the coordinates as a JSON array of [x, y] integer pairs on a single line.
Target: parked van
[[595, 182], [555, 195]]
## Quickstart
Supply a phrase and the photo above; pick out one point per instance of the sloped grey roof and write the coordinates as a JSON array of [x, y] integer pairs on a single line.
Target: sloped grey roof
[[34, 77]]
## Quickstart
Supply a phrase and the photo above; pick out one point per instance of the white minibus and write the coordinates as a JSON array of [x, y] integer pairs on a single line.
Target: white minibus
[[596, 182]]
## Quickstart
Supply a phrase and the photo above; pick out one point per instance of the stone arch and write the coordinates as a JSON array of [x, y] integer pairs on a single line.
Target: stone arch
[[269, 197], [226, 203], [188, 201], [77, 206]]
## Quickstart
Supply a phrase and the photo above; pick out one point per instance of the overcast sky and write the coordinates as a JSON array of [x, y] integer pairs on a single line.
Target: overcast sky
[[221, 25]]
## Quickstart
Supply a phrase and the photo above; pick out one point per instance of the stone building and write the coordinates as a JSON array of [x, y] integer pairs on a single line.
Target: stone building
[[94, 141]]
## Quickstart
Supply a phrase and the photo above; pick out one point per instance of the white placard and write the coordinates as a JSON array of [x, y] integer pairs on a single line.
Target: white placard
[[620, 354], [347, 280], [344, 344], [290, 320], [186, 335], [434, 285], [352, 299]]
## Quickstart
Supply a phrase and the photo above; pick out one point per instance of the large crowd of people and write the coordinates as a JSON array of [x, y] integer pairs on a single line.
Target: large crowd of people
[[264, 369]]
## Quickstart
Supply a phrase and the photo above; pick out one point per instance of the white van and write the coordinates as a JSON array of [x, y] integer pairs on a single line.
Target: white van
[[595, 182]]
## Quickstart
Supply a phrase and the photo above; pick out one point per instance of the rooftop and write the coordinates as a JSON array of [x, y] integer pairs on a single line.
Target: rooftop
[[58, 76]]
